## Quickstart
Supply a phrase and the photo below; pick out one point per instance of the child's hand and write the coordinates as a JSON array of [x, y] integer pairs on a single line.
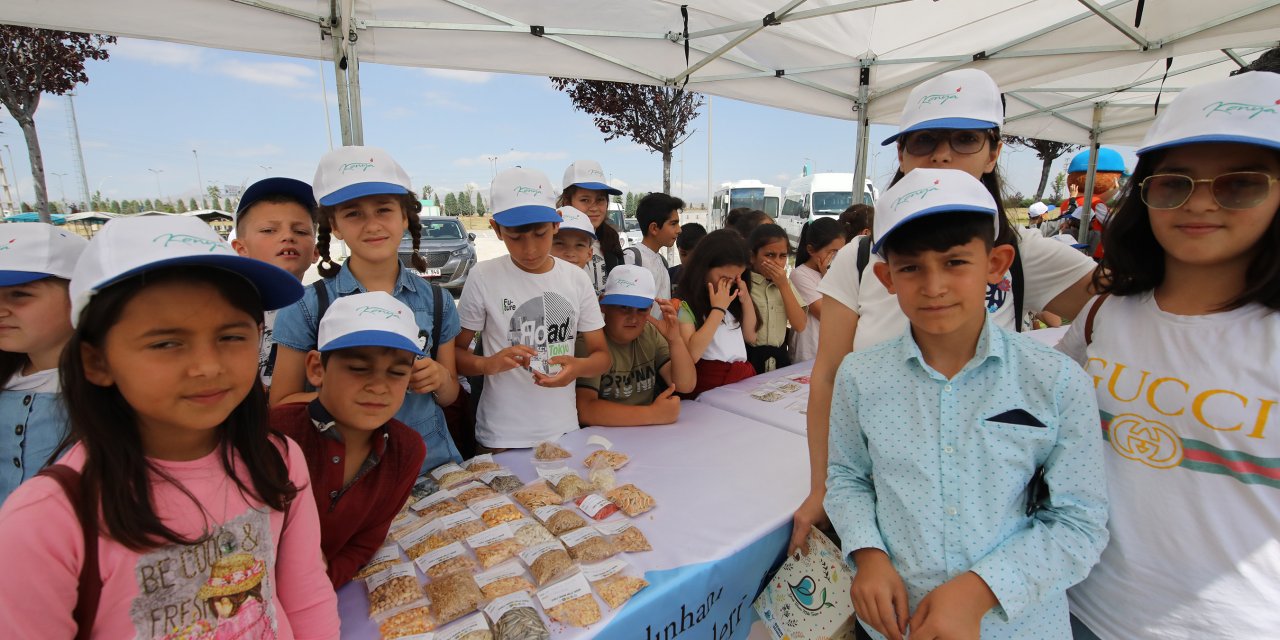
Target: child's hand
[[720, 293], [954, 610], [666, 406], [879, 596], [742, 292], [669, 325], [566, 375], [510, 358], [772, 272], [427, 376], [825, 263]]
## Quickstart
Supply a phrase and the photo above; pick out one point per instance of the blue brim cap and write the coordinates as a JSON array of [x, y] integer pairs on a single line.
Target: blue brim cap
[[932, 211], [373, 338], [296, 189], [623, 300], [941, 123], [14, 278], [527, 214], [360, 190], [277, 288], [1262, 142], [597, 186]]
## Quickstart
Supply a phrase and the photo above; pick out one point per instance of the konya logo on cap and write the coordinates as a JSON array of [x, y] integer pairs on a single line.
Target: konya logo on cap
[[5, 247], [377, 312], [918, 194], [626, 283], [940, 99], [180, 239], [356, 166], [1239, 108]]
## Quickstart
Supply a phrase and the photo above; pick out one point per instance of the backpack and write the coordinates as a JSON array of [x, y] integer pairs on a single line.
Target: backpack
[[635, 252], [1015, 273]]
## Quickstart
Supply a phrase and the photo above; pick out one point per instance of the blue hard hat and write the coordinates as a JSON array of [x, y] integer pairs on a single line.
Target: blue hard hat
[[1108, 160]]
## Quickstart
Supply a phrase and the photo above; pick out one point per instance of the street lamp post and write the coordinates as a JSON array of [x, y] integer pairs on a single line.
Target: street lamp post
[[62, 193], [14, 168], [199, 179], [156, 173]]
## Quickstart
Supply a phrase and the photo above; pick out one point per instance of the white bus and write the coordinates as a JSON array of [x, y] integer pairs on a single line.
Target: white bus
[[751, 194], [819, 195]]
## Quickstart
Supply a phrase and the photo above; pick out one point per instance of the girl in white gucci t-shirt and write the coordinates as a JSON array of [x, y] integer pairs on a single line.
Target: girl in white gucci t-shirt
[[1184, 348]]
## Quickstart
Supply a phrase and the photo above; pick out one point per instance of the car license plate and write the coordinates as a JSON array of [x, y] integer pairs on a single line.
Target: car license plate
[[431, 273]]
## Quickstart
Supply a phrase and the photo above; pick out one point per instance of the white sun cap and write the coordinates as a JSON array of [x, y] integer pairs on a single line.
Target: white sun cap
[[629, 285], [31, 251], [347, 173], [126, 247], [1243, 108], [522, 196], [373, 319], [960, 99], [575, 220], [587, 174], [927, 192]]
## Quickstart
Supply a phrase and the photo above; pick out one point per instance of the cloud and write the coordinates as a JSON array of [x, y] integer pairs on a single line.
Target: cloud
[[782, 178], [289, 75], [458, 75], [441, 100], [398, 113], [619, 183], [162, 53], [511, 157]]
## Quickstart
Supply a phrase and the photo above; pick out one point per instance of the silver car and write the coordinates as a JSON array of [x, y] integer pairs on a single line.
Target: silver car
[[447, 248]]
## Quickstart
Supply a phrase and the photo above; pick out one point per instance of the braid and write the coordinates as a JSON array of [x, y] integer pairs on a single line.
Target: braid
[[415, 231], [327, 267]]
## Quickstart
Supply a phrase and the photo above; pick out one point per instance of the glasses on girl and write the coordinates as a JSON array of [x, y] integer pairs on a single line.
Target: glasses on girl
[[1236, 190], [962, 141]]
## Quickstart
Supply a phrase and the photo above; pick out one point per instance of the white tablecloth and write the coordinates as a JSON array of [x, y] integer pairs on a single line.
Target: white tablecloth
[[783, 410], [726, 488]]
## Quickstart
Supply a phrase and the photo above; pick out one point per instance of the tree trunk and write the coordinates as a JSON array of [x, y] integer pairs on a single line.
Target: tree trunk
[[666, 171], [28, 125], [1044, 177]]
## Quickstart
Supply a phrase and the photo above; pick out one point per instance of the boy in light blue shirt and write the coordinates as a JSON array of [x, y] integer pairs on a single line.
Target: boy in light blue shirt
[[965, 475]]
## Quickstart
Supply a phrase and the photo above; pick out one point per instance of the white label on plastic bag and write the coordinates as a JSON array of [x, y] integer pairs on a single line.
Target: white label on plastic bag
[[545, 513], [454, 519], [470, 624], [564, 591], [600, 440], [508, 602], [614, 528], [578, 536], [445, 469], [419, 534], [488, 476], [388, 552], [511, 569], [469, 485], [592, 504], [484, 457], [537, 551], [443, 554], [601, 570], [420, 636], [395, 571], [490, 536], [554, 475], [432, 500], [481, 506]]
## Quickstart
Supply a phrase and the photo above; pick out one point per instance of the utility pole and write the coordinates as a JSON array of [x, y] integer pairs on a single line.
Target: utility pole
[[77, 153], [7, 203], [156, 173], [199, 179], [14, 167], [61, 189]]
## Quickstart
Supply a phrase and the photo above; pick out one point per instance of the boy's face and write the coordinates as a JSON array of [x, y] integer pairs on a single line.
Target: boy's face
[[529, 246], [279, 233], [944, 292], [665, 234], [372, 226], [362, 387], [573, 247], [622, 324]]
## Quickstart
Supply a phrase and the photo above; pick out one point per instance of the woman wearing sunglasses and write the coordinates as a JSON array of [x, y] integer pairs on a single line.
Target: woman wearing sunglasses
[[1185, 345], [949, 122]]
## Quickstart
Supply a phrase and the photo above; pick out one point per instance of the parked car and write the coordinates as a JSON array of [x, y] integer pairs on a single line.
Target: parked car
[[449, 250]]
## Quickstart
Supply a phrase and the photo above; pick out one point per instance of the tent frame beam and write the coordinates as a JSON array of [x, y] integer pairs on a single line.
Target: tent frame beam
[[790, 17], [1119, 25], [1055, 114], [733, 43]]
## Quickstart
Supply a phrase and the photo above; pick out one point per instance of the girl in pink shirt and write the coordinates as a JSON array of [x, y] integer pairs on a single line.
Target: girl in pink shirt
[[205, 526]]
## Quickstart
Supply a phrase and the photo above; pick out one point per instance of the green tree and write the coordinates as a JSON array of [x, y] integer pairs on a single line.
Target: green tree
[[629, 204], [179, 206], [464, 203], [1047, 151], [480, 208], [97, 203], [1059, 185], [191, 205], [38, 61], [450, 205], [115, 207]]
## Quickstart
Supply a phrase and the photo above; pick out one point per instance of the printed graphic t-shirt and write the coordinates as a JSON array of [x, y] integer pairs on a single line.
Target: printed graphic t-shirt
[[546, 311], [1188, 409], [633, 377], [267, 348], [247, 580]]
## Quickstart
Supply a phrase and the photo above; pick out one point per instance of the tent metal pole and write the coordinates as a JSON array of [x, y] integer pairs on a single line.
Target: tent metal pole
[[711, 213], [1128, 31], [340, 80], [1033, 105], [353, 77], [864, 132], [794, 16], [1086, 208], [737, 40]]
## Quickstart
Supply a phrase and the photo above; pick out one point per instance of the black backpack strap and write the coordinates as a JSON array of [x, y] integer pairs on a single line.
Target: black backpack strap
[[437, 317], [84, 502], [1015, 273], [864, 254], [1088, 320], [635, 251], [322, 305]]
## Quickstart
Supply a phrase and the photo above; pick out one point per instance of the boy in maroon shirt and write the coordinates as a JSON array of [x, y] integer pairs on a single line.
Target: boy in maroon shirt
[[363, 462]]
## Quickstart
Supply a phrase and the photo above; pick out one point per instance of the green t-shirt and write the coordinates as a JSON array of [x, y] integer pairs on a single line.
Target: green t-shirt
[[633, 377]]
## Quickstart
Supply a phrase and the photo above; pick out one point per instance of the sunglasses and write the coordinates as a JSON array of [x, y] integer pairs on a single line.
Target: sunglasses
[[962, 141], [1237, 190]]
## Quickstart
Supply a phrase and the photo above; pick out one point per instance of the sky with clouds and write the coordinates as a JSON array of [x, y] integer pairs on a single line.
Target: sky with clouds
[[247, 116]]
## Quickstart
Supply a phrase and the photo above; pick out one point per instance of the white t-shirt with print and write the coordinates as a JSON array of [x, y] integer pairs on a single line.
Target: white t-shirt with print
[[1049, 268], [804, 344], [546, 311], [1189, 407], [655, 265]]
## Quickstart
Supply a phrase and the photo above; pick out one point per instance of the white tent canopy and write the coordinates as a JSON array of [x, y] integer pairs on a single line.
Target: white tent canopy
[[1075, 70]]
